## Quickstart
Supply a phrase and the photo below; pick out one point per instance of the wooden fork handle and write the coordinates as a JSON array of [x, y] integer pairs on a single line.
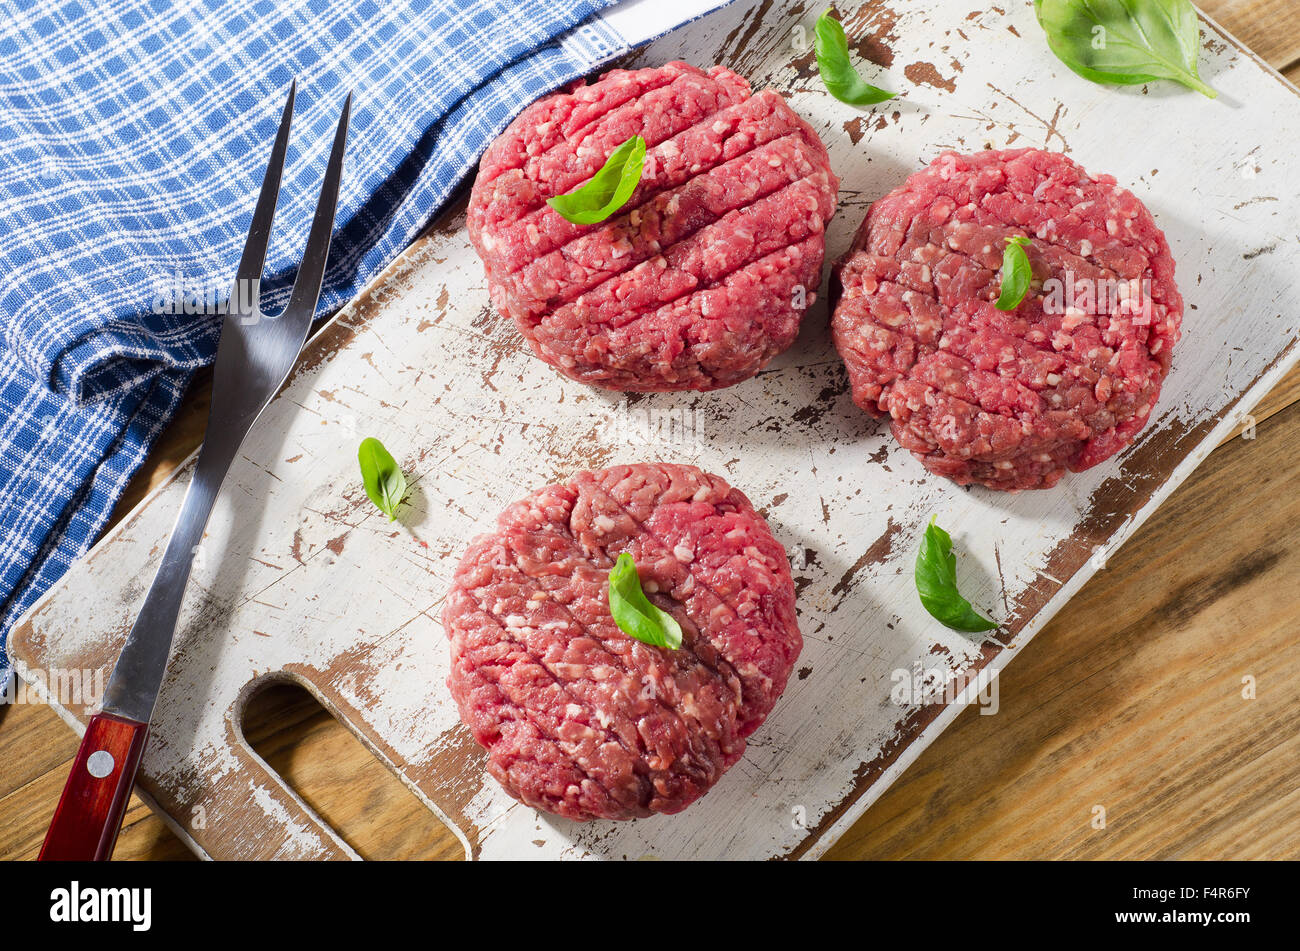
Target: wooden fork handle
[[89, 815]]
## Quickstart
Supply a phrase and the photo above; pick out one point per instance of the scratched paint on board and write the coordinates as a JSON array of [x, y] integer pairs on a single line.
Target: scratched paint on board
[[306, 580]]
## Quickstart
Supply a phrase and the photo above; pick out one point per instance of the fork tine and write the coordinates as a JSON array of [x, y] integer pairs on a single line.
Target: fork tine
[[306, 287], [259, 232]]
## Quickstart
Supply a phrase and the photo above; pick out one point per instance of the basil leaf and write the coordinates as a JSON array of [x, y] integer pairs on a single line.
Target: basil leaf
[[936, 583], [384, 482], [608, 190], [1125, 42], [841, 79], [633, 612], [1016, 273]]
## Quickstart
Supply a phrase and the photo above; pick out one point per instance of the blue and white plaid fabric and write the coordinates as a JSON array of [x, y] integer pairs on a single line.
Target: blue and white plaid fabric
[[133, 139]]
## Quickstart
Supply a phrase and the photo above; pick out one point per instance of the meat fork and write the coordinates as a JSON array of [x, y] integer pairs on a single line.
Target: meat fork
[[254, 356]]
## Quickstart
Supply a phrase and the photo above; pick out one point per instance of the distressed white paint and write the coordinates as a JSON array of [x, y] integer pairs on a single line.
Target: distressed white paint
[[300, 572]]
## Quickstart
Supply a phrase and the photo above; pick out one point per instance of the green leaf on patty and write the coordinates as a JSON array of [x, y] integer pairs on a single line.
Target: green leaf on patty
[[840, 78], [633, 612], [936, 583], [609, 189], [1016, 273]]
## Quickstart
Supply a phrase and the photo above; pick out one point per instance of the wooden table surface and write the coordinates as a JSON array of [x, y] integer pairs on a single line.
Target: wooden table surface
[[1153, 718]]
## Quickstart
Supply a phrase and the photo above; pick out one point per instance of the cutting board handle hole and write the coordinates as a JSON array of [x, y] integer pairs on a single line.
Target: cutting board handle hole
[[355, 793]]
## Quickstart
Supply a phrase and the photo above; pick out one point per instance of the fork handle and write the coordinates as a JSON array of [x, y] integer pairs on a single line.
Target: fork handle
[[89, 815]]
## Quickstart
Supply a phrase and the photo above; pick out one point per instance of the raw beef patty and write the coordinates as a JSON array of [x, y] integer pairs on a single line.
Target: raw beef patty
[[577, 717], [703, 276], [1011, 400]]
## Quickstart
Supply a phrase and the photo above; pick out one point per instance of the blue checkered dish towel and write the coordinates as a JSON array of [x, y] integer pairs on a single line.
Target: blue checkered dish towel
[[133, 139]]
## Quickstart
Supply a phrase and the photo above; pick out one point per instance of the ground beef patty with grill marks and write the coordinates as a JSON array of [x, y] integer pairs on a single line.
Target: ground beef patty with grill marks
[[577, 717], [703, 276], [1010, 400]]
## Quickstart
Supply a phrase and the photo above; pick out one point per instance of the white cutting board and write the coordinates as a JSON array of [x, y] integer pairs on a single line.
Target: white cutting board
[[301, 577]]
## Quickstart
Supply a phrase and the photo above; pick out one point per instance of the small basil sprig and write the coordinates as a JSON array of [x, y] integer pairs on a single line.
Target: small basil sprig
[[1125, 42], [633, 612], [383, 479], [1016, 273], [936, 583], [841, 79], [608, 190]]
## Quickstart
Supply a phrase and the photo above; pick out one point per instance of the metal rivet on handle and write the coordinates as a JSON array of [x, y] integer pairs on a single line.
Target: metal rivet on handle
[[99, 763]]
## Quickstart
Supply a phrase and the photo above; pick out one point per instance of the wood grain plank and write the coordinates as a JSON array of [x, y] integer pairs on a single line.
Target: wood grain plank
[[320, 759], [29, 808], [45, 739], [1266, 26], [1131, 698], [1279, 398], [355, 793]]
